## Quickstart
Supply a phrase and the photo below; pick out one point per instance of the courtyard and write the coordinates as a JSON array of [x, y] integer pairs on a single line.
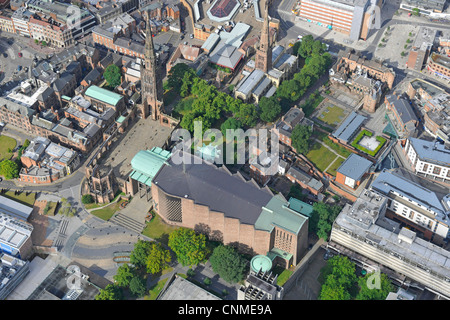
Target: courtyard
[[332, 115]]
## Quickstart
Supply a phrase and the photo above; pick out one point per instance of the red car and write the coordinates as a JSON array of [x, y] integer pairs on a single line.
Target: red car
[[20, 54]]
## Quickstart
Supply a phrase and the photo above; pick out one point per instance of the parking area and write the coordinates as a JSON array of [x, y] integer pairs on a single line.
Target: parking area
[[307, 286]]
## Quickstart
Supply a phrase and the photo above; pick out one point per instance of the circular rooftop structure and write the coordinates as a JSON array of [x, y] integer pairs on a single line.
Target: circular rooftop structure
[[261, 262], [223, 10]]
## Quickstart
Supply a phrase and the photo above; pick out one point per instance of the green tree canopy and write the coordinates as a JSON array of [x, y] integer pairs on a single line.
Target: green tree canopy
[[112, 75], [138, 286], [87, 198], [230, 123], [228, 263], [158, 258], [340, 278], [300, 138], [9, 169], [270, 109], [124, 275], [368, 290], [111, 292], [189, 246], [140, 252], [176, 75], [322, 219]]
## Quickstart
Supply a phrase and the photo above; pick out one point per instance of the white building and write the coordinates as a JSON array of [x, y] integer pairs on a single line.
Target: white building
[[362, 232], [429, 158], [412, 201]]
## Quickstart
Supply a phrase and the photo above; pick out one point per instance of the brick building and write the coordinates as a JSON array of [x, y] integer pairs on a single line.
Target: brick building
[[229, 209]]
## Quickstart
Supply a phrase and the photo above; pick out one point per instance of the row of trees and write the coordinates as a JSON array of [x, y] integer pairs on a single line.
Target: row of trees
[[340, 282], [190, 248], [209, 105]]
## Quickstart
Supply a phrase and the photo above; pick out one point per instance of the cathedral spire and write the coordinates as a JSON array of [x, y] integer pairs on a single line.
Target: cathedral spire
[[149, 48], [264, 54]]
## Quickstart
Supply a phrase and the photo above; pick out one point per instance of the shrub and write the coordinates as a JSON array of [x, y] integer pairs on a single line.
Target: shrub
[[87, 198]]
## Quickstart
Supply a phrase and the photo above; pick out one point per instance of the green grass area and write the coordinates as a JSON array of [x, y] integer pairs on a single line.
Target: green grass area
[[155, 290], [6, 143], [336, 147], [24, 198], [320, 156], [100, 205], [158, 229], [337, 163], [361, 135], [50, 208], [283, 275], [108, 211], [332, 115]]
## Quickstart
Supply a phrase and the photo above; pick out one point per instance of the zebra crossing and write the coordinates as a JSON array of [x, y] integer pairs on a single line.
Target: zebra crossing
[[60, 239]]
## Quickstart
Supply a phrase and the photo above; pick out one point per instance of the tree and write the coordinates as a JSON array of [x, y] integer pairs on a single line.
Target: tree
[[87, 198], [112, 75], [322, 218], [189, 246], [176, 75], [340, 278], [140, 252], [124, 275], [138, 286], [300, 138], [111, 292], [270, 109], [158, 258], [228, 263], [230, 123], [367, 292], [416, 11], [9, 169], [247, 114]]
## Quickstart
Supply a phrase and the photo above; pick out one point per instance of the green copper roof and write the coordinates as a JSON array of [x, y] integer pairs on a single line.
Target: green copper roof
[[104, 95], [66, 98], [261, 262], [272, 254], [301, 207], [277, 213], [120, 119], [146, 164]]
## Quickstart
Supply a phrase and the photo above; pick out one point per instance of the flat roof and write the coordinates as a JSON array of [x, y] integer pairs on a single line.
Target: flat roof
[[431, 151], [14, 208], [350, 125], [183, 289], [354, 167]]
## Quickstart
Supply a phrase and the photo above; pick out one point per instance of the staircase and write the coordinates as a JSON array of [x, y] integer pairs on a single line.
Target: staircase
[[127, 222]]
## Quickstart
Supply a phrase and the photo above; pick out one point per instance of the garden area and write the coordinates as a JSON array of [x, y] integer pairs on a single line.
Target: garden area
[[332, 115], [25, 198], [7, 145], [107, 211], [367, 143]]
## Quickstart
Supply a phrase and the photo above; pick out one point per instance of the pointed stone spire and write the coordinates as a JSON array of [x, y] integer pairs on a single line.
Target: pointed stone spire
[[263, 59]]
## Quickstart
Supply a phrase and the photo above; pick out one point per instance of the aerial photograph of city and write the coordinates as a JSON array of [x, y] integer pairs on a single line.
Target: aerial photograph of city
[[224, 152]]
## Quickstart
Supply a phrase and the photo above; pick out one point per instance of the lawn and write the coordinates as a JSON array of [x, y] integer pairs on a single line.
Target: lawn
[[158, 229], [50, 208], [23, 198], [337, 163], [6, 143], [283, 275], [332, 115], [107, 212], [320, 156], [155, 290]]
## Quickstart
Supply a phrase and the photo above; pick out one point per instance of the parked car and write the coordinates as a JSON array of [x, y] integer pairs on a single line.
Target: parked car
[[20, 54], [19, 68], [5, 55]]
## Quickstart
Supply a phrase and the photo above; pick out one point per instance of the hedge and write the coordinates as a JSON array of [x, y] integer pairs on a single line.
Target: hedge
[[369, 152]]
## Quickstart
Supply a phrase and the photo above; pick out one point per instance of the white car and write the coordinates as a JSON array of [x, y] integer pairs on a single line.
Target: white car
[[2, 124]]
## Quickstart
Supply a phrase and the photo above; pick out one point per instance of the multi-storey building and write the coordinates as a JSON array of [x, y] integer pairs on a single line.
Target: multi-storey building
[[434, 105], [402, 115], [15, 235], [13, 272], [439, 65], [351, 17], [429, 158], [415, 202], [6, 22], [363, 232]]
